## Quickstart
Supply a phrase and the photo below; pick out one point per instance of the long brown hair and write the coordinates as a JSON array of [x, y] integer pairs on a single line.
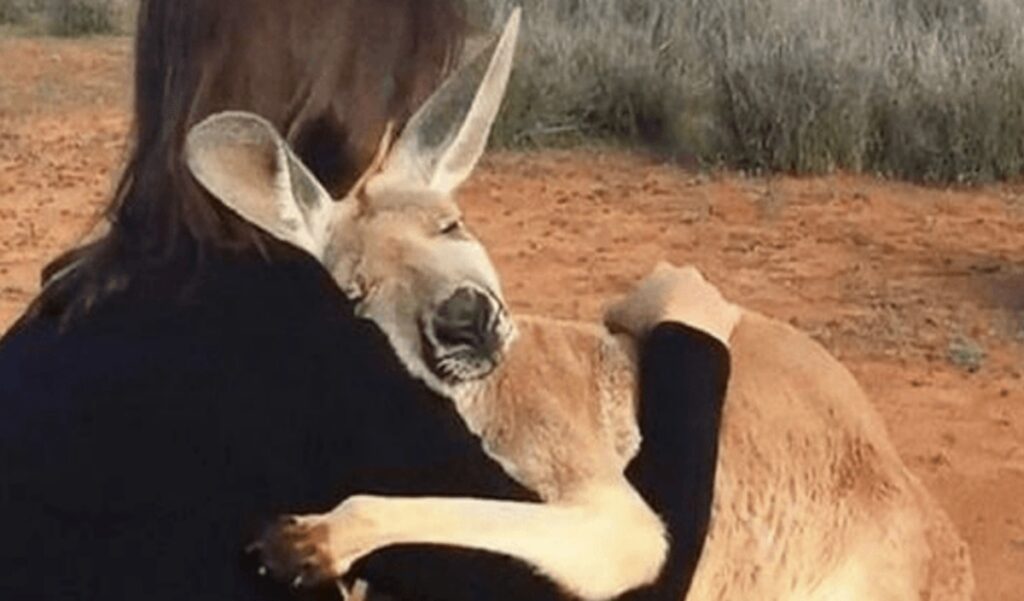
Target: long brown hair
[[329, 74]]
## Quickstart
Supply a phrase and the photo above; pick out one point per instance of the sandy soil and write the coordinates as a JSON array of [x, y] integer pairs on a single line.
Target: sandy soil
[[919, 291]]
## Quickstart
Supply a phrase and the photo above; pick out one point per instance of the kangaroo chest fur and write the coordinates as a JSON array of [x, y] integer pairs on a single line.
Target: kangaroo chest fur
[[556, 426]]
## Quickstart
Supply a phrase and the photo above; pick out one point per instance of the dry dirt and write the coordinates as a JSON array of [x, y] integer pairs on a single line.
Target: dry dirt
[[920, 291]]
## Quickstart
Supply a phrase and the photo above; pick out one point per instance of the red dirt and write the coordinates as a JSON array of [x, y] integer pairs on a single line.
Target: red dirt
[[905, 284]]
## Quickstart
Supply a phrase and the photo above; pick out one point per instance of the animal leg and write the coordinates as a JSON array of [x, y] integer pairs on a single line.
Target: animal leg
[[598, 548]]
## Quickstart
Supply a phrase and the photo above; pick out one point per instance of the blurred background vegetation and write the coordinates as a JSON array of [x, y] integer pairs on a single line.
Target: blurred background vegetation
[[68, 18], [927, 90]]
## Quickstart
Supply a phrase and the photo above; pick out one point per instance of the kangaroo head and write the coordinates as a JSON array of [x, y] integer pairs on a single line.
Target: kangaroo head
[[396, 244]]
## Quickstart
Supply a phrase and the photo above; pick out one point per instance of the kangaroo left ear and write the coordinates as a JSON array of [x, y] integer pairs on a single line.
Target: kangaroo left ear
[[246, 165]]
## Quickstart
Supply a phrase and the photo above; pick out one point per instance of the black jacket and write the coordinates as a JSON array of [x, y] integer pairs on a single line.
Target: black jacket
[[143, 447]]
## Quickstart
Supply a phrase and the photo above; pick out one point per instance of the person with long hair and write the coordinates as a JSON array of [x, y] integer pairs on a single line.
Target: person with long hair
[[182, 379]]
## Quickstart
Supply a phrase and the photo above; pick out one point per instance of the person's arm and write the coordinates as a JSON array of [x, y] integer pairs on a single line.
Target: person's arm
[[424, 573], [682, 325], [683, 375]]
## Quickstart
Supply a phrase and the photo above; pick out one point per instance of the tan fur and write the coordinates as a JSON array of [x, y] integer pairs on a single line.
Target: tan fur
[[558, 425], [812, 501]]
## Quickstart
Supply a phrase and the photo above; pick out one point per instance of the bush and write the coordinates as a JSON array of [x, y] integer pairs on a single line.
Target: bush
[[69, 18], [12, 12], [930, 90], [966, 354]]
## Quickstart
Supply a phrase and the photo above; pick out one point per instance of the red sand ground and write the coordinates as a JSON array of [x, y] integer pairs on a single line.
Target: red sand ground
[[903, 283]]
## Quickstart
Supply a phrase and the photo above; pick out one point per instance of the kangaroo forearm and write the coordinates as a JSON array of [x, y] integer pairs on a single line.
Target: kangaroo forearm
[[597, 549]]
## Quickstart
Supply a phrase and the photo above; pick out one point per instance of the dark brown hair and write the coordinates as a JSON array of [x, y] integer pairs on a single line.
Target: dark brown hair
[[329, 74]]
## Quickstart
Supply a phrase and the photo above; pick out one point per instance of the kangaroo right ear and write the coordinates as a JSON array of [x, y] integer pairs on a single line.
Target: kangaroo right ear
[[245, 164], [441, 144]]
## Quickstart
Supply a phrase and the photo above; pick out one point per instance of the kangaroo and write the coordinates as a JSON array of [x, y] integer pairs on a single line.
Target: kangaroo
[[812, 501]]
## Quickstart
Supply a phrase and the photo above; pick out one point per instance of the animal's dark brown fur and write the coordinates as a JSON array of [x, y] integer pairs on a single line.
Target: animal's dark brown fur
[[328, 73]]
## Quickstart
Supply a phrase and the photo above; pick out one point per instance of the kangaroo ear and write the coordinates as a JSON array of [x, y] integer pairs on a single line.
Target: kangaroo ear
[[246, 165], [443, 141]]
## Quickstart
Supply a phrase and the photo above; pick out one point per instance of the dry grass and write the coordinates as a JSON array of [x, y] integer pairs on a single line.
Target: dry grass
[[929, 90], [70, 18], [12, 12], [67, 18]]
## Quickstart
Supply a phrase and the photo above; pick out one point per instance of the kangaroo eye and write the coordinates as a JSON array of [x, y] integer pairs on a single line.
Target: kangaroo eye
[[451, 227]]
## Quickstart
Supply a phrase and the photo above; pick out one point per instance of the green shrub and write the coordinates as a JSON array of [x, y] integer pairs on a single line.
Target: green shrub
[[924, 89], [967, 354], [69, 18]]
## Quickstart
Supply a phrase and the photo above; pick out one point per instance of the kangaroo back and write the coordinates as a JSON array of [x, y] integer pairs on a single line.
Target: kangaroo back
[[812, 499]]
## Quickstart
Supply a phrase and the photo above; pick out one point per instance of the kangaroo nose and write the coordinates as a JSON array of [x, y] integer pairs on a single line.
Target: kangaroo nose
[[467, 319]]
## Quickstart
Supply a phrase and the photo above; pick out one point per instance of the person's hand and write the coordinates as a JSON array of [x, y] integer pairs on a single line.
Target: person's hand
[[673, 294]]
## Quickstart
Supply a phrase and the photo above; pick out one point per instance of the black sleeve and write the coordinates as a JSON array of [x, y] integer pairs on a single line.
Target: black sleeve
[[424, 573], [141, 471], [682, 382]]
